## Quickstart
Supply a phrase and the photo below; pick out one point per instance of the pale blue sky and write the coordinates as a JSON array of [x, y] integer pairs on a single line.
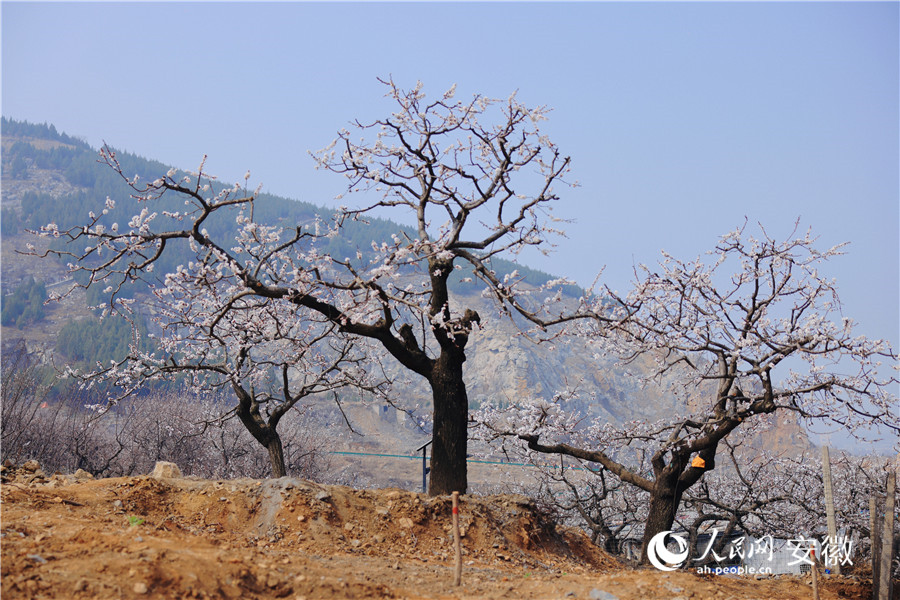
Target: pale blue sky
[[681, 118]]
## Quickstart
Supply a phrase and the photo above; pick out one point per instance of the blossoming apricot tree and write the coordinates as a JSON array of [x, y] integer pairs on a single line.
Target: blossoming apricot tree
[[754, 331], [479, 177], [214, 334]]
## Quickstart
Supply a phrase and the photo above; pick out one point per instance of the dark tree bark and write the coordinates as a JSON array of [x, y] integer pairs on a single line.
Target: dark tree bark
[[276, 455], [264, 432], [451, 407], [671, 481], [451, 403], [665, 498]]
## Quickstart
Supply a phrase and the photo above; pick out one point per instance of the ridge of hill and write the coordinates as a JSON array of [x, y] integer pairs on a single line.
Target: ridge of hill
[[52, 177]]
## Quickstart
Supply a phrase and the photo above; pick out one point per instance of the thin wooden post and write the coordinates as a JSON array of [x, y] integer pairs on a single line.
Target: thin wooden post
[[887, 539], [815, 574], [829, 506], [457, 547], [875, 529]]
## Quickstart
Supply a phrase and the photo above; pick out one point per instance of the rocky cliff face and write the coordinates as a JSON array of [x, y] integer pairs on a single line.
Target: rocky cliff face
[[505, 367]]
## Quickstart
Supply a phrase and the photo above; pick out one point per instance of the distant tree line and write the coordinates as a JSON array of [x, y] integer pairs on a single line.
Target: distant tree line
[[43, 131], [86, 341], [25, 305]]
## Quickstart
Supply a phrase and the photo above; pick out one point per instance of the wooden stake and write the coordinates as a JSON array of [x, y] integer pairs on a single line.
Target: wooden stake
[[457, 570], [887, 539], [829, 504], [875, 528], [815, 574]]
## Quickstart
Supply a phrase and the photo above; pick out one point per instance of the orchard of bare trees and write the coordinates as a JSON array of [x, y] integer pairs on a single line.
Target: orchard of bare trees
[[197, 432], [264, 315], [751, 493]]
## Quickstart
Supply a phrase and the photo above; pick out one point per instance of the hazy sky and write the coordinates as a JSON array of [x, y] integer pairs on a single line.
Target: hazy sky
[[681, 119]]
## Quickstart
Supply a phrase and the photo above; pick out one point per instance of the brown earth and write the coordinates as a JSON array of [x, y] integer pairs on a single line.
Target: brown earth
[[144, 537]]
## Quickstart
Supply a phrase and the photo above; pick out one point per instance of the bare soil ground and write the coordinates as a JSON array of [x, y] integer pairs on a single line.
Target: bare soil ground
[[141, 537]]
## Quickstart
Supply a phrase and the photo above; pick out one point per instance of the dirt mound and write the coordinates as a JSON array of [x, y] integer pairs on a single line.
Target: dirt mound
[[75, 537]]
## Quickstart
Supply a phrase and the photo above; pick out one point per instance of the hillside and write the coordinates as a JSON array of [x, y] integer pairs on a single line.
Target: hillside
[[147, 537], [50, 177]]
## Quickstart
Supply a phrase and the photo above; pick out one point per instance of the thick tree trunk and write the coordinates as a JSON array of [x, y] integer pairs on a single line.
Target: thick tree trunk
[[276, 455], [265, 433], [270, 440], [451, 409], [672, 481], [660, 518], [664, 501]]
